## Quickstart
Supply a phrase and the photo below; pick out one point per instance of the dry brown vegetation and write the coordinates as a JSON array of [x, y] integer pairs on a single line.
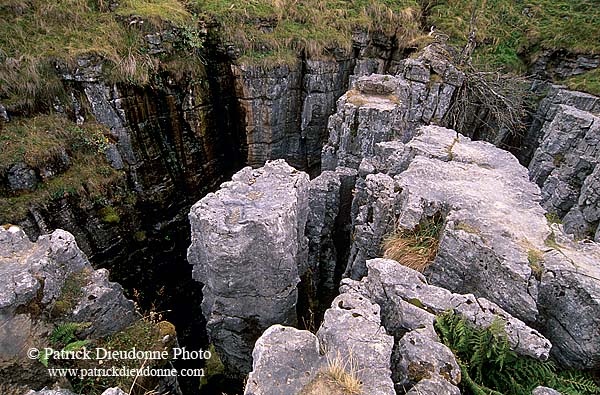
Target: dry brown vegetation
[[415, 248], [338, 378]]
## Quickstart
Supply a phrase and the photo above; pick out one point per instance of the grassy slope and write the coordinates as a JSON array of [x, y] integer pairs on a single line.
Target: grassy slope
[[277, 30], [512, 30], [35, 141]]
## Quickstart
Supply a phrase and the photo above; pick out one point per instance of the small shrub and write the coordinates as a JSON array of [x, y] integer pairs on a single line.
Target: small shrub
[[415, 248]]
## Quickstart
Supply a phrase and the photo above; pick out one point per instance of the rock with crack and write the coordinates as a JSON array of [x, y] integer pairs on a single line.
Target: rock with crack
[[564, 167], [556, 96], [409, 306], [350, 344], [249, 250], [324, 203], [569, 301], [475, 187], [559, 150], [380, 108], [409, 303], [492, 232]]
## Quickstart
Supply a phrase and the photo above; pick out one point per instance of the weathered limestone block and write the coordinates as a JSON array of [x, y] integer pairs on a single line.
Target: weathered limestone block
[[249, 249], [434, 386], [352, 332], [488, 190], [285, 361], [547, 110], [493, 232], [570, 302], [373, 215], [544, 391], [408, 302], [374, 110], [563, 166], [420, 357], [561, 149], [288, 361]]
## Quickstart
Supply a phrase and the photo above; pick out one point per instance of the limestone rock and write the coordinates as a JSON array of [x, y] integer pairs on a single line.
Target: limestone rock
[[249, 249], [22, 178], [373, 111], [46, 391], [564, 167], [546, 112], [544, 391], [380, 108], [324, 202], [570, 302], [50, 278], [465, 182], [408, 303], [419, 358], [286, 108], [434, 386], [352, 333], [103, 304], [114, 391], [561, 64], [288, 361], [492, 239]]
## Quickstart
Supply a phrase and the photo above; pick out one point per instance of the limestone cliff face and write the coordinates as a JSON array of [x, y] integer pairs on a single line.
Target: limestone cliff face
[[565, 140], [384, 107], [286, 107], [171, 144]]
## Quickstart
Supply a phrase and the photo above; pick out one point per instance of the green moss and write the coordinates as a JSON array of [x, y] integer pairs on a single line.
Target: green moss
[[553, 218], [109, 215], [142, 335], [214, 366], [70, 293]]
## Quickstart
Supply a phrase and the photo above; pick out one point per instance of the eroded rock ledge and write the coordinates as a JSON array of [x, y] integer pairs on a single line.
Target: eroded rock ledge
[[43, 287]]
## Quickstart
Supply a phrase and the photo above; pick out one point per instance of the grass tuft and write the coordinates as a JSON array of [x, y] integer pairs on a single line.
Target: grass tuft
[[415, 248]]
